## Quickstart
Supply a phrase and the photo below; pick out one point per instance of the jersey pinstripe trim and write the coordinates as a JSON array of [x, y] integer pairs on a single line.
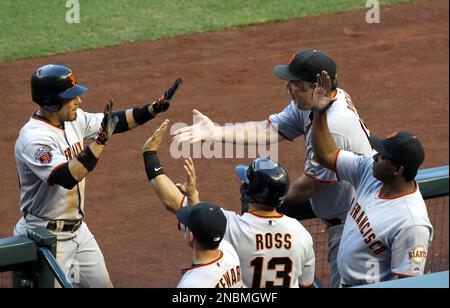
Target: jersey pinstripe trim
[[403, 275], [261, 216], [206, 264], [399, 196], [46, 122], [317, 180], [335, 163]]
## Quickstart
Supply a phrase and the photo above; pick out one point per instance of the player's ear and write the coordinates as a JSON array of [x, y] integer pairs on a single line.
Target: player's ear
[[399, 170]]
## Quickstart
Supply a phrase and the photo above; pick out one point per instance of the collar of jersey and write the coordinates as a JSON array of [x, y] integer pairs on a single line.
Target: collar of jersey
[[41, 118], [262, 216], [399, 196], [205, 264]]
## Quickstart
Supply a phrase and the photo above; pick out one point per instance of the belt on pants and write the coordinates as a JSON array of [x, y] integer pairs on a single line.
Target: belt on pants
[[333, 221], [64, 225]]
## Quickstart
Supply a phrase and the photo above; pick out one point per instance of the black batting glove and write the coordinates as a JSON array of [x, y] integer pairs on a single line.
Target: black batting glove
[[163, 103], [108, 124]]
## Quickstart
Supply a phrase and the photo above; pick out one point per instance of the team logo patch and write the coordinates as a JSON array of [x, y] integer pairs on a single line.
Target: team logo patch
[[392, 135], [292, 58], [72, 79], [418, 254], [44, 155]]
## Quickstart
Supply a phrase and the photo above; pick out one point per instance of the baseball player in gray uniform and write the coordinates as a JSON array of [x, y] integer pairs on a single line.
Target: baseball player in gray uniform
[[387, 232], [274, 250], [330, 199], [52, 163]]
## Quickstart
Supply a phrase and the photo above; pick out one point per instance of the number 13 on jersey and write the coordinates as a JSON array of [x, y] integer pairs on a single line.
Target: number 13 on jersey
[[281, 265]]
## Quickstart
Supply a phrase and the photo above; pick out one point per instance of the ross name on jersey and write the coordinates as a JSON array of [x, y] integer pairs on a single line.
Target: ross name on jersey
[[230, 278], [270, 241], [362, 221]]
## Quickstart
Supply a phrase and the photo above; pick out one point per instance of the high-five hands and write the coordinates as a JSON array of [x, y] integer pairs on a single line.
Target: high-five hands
[[322, 93]]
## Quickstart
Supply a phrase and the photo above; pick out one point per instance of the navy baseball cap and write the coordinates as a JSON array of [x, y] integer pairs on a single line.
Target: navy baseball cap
[[403, 148], [206, 221], [305, 64]]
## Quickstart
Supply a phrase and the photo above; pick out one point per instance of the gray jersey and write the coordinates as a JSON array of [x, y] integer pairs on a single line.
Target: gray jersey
[[348, 132], [382, 236], [40, 149], [273, 251]]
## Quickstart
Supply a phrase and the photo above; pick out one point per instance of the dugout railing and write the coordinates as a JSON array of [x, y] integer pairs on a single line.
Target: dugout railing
[[29, 261]]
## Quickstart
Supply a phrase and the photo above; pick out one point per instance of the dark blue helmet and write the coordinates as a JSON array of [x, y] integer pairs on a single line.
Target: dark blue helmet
[[53, 85], [264, 181]]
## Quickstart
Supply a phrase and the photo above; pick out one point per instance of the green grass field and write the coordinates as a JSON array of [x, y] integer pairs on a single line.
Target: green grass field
[[30, 28]]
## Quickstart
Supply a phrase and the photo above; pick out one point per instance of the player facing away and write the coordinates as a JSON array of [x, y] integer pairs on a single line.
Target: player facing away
[[387, 232], [215, 263], [318, 187], [274, 250], [52, 163]]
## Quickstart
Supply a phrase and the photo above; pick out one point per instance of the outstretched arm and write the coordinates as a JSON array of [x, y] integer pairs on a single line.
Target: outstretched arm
[[133, 117], [239, 133], [323, 144], [169, 194]]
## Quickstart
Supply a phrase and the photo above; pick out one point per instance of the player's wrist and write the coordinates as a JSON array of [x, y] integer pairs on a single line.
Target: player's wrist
[[151, 109], [193, 198], [102, 137], [153, 167], [87, 159]]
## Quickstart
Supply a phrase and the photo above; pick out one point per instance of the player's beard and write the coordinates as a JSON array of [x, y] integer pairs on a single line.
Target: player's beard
[[382, 174], [300, 103], [73, 115]]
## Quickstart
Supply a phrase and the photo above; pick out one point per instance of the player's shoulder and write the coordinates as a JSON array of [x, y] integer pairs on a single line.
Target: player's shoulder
[[295, 226], [227, 248], [230, 215], [414, 208], [342, 116], [193, 278], [207, 275], [81, 112], [35, 131], [82, 117], [341, 106]]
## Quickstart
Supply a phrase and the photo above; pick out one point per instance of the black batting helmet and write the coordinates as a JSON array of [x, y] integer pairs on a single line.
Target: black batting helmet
[[264, 181], [52, 85]]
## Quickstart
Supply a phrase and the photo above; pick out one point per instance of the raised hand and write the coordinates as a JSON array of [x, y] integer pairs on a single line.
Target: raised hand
[[322, 93], [203, 130], [190, 186], [163, 103], [108, 124], [152, 143]]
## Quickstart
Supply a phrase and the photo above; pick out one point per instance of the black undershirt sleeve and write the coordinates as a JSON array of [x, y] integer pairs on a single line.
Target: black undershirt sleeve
[[61, 176], [122, 125]]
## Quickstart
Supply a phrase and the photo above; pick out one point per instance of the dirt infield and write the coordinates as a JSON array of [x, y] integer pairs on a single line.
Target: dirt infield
[[396, 71]]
